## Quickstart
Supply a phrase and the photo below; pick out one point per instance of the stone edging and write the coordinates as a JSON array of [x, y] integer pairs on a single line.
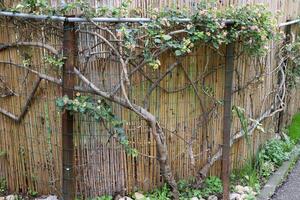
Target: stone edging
[[279, 176]]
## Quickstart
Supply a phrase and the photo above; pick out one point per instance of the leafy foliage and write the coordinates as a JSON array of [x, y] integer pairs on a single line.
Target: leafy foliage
[[211, 186], [294, 128], [293, 69], [252, 25], [101, 112], [3, 186], [32, 193], [256, 171], [247, 176], [275, 151], [106, 197], [266, 169], [162, 193], [55, 62]]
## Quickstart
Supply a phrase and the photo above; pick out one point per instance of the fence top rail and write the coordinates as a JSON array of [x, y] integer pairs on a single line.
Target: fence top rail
[[109, 19], [292, 22], [82, 19]]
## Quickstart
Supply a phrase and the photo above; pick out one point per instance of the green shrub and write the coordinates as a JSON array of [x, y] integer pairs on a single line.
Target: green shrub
[[266, 169], [3, 186], [162, 193], [187, 191], [212, 185], [294, 128], [275, 151], [247, 176]]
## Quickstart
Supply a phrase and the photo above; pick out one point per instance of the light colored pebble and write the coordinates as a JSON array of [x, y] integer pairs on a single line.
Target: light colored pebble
[[212, 197], [139, 196], [235, 196]]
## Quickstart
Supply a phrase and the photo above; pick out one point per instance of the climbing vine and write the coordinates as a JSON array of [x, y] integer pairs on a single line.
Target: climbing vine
[[100, 111], [252, 25], [292, 51]]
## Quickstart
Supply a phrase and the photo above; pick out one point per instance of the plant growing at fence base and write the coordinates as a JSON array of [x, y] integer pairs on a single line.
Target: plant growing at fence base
[[257, 170], [32, 193], [3, 186], [275, 151]]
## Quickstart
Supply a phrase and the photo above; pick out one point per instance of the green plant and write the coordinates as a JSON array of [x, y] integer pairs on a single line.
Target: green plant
[[187, 191], [105, 197], [162, 193], [294, 128], [101, 112], [250, 197], [275, 151], [247, 176], [266, 168], [32, 193], [253, 24], [292, 51], [3, 186], [55, 62], [211, 185]]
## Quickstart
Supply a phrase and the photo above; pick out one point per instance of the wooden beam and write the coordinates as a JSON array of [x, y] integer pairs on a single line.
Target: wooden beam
[[68, 82], [227, 120]]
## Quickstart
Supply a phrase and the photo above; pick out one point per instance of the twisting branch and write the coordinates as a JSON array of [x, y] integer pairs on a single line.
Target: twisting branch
[[41, 75], [157, 82], [33, 44], [156, 130], [123, 64], [24, 110], [203, 172], [5, 91]]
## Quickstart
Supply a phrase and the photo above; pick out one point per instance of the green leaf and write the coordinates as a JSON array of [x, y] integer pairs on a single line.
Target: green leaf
[[156, 40], [166, 37], [60, 102], [178, 53]]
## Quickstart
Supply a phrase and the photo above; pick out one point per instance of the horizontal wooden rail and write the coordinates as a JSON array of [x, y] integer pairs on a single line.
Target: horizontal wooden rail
[[108, 19], [296, 21], [83, 19]]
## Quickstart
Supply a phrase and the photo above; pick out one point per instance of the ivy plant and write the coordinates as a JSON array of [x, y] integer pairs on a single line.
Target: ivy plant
[[100, 111]]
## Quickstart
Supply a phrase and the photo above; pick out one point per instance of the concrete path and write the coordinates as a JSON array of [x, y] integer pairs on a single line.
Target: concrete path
[[290, 190]]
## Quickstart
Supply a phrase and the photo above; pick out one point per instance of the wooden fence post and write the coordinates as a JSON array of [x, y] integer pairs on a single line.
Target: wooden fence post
[[287, 31], [68, 159], [229, 62]]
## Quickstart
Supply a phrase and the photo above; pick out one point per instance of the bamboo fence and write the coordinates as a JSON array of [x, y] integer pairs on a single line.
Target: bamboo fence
[[31, 149]]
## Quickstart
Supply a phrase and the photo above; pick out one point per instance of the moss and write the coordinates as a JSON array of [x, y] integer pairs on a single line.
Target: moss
[[294, 128]]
